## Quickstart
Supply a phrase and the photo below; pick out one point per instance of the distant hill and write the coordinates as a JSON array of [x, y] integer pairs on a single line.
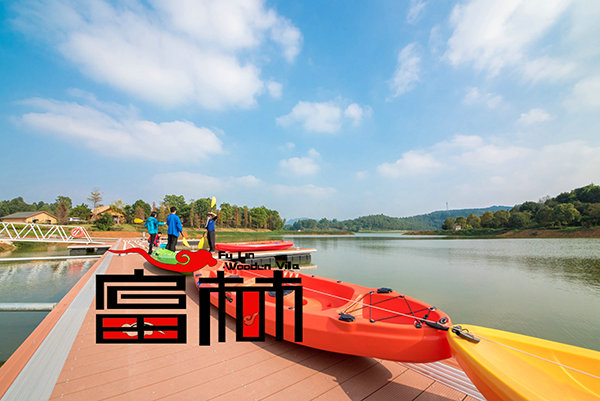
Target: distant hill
[[292, 221], [430, 221]]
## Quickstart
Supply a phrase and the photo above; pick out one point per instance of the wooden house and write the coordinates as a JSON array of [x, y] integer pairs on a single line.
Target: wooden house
[[117, 217], [39, 217]]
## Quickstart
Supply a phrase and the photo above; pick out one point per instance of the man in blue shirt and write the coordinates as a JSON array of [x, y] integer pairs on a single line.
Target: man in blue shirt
[[210, 230], [175, 227], [152, 225]]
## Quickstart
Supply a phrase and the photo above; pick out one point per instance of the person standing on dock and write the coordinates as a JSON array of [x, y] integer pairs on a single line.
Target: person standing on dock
[[152, 225], [175, 228], [210, 230]]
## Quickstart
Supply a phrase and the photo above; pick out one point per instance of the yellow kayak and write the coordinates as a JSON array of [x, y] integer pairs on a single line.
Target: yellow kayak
[[508, 366]]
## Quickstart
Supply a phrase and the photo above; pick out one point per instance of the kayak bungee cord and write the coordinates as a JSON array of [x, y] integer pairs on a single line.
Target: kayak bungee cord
[[432, 323]]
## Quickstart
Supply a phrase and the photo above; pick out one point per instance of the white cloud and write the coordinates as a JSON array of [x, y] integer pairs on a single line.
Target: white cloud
[[325, 117], [289, 200], [301, 166], [548, 69], [169, 53], [407, 71], [534, 116], [475, 97], [411, 163], [475, 172], [302, 191], [495, 35], [585, 95], [274, 89], [356, 113], [120, 135], [415, 11], [361, 175], [315, 117], [288, 146]]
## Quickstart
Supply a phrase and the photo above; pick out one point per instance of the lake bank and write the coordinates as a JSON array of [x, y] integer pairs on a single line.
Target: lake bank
[[571, 232]]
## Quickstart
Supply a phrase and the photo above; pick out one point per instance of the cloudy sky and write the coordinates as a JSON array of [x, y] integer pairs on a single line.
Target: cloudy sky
[[320, 109]]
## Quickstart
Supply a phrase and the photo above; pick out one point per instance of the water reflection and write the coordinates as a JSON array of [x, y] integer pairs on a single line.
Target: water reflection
[[33, 282], [549, 288]]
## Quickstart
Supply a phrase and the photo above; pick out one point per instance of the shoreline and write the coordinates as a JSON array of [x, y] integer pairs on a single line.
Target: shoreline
[[528, 233]]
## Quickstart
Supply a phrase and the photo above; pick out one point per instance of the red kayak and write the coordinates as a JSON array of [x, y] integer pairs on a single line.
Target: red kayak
[[337, 316], [253, 246]]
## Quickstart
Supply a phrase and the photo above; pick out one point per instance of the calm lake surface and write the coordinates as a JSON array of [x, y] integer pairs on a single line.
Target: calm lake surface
[[547, 288], [33, 282]]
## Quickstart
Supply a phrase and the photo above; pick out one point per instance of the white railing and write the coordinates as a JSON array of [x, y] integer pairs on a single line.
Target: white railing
[[44, 233]]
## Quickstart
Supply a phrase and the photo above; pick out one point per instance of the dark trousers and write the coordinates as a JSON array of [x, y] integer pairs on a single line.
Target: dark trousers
[[211, 241], [152, 240], [172, 242]]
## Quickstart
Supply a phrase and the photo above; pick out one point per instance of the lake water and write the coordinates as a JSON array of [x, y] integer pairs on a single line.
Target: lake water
[[33, 282], [547, 288]]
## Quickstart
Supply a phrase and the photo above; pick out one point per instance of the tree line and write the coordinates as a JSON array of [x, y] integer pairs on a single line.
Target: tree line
[[192, 213], [381, 222], [579, 207]]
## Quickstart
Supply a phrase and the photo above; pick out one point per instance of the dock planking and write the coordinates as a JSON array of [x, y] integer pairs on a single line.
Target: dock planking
[[231, 370]]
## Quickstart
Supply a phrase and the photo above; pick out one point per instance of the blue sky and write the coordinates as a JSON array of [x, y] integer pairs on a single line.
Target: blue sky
[[324, 109]]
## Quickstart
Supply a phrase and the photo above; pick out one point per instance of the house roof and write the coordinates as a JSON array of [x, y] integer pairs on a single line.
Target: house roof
[[24, 215], [104, 209]]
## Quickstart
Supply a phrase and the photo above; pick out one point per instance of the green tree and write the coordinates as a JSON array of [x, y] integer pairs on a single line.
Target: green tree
[[473, 221], [544, 216], [519, 219], [462, 222], [531, 207], [588, 194], [163, 212], [501, 218], [64, 199], [143, 205], [82, 211], [566, 214], [129, 212], [258, 217], [202, 207], [487, 220], [183, 209], [227, 215], [104, 222], [118, 206], [449, 224], [591, 216]]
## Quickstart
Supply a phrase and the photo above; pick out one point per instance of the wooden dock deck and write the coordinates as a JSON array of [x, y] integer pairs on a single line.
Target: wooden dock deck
[[62, 361]]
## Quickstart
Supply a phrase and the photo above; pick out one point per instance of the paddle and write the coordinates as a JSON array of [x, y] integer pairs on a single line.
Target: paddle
[[184, 240]]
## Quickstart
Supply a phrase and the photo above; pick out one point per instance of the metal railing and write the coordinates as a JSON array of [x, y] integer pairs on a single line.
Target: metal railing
[[34, 232]]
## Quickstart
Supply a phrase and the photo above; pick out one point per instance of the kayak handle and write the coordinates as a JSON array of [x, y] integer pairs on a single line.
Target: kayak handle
[[463, 333], [436, 325]]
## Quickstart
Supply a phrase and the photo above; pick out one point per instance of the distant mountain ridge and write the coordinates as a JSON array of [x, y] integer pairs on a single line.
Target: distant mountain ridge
[[430, 221]]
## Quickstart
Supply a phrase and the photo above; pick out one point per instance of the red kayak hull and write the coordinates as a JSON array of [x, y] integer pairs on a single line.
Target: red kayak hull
[[254, 246], [384, 324]]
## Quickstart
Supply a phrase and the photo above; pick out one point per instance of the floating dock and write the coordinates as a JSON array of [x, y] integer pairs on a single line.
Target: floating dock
[[61, 360]]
